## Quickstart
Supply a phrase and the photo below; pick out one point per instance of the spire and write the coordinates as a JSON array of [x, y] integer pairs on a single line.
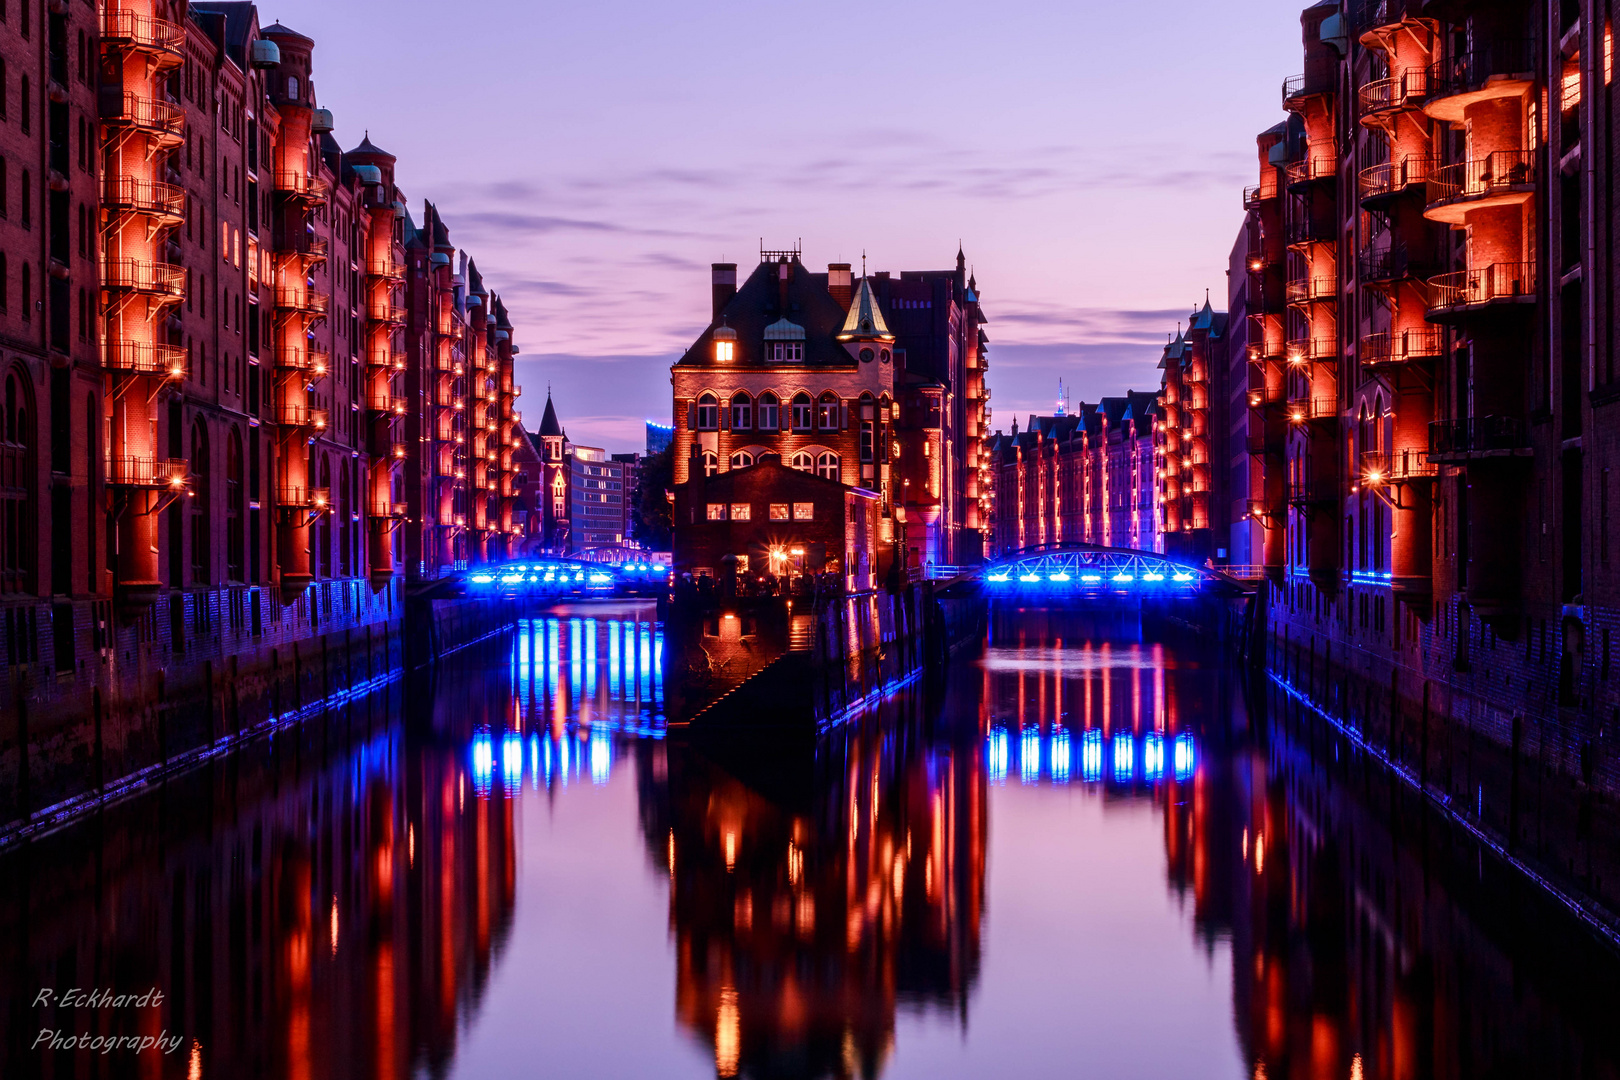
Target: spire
[[549, 427], [961, 259], [865, 319]]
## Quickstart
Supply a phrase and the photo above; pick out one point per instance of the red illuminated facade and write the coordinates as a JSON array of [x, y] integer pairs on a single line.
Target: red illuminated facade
[[1086, 477], [237, 381]]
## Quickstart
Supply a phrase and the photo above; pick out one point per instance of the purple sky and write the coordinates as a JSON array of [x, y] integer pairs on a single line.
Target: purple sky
[[596, 158]]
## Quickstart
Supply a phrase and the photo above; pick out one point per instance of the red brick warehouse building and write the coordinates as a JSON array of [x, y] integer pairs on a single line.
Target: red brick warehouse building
[[245, 395], [877, 384]]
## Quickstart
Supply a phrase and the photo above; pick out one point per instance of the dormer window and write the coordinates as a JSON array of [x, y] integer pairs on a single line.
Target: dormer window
[[725, 351], [785, 351], [784, 342]]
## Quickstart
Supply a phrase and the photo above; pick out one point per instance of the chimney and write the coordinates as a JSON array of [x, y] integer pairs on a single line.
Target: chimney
[[784, 277], [839, 284], [725, 285]]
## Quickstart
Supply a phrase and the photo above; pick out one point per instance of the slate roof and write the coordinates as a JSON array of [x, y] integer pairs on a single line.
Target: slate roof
[[758, 304]]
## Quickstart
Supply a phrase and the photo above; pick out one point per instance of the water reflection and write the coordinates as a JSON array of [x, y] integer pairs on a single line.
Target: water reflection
[[1092, 854]]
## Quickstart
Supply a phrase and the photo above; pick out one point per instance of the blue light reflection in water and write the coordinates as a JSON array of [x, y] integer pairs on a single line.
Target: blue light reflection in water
[[1113, 760]]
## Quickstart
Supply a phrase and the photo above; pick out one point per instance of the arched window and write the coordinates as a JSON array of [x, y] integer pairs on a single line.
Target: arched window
[[708, 412], [17, 488], [827, 412], [769, 412], [801, 411], [741, 459], [235, 510], [344, 521], [742, 412], [827, 465], [201, 512], [868, 429], [804, 461], [323, 525], [28, 293], [711, 463]]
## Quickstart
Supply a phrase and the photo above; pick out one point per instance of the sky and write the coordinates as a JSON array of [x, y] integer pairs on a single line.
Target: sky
[[595, 158]]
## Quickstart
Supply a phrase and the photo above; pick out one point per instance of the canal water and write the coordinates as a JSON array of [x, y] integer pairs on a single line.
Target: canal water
[[1092, 852]]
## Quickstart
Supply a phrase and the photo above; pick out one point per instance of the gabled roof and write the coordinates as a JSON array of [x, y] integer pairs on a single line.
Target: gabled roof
[[758, 304], [865, 318]]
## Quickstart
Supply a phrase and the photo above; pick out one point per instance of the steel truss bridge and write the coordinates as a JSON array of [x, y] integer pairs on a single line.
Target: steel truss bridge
[[1059, 572]]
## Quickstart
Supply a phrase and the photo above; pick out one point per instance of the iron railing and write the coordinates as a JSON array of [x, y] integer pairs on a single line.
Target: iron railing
[[1396, 467], [299, 496], [152, 197], [298, 186], [152, 472], [305, 301], [1402, 346], [1498, 173], [144, 276], [1483, 285], [1477, 435], [128, 29], [145, 358], [1394, 177], [1473, 68], [160, 119], [1313, 490], [1310, 84]]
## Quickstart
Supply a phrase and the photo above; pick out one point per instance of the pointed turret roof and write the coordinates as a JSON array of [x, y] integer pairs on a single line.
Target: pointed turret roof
[[865, 319], [549, 427]]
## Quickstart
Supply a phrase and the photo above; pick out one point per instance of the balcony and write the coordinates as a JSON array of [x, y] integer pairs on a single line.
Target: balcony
[[1503, 178], [385, 271], [1313, 491], [1319, 165], [385, 359], [388, 312], [390, 511], [1464, 292], [145, 358], [1307, 228], [1372, 16], [304, 301], [1394, 350], [1307, 408], [1389, 266], [298, 415], [147, 472], [1471, 437], [387, 405], [310, 248], [1253, 197], [300, 188], [1379, 468], [297, 497], [1382, 99], [1492, 69], [1298, 89], [1312, 290], [1262, 443], [162, 281], [163, 123], [313, 359], [163, 41], [1382, 184], [164, 203], [1312, 351]]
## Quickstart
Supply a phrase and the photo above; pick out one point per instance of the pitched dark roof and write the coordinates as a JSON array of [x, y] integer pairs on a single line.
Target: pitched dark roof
[[758, 304], [238, 17], [549, 427]]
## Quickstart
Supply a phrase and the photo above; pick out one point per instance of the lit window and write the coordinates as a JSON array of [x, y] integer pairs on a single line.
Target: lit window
[[779, 511], [804, 511], [801, 412], [725, 351], [827, 466], [827, 412], [717, 511], [740, 512]]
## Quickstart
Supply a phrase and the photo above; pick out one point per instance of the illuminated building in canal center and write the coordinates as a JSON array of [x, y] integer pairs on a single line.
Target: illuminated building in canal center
[[876, 383]]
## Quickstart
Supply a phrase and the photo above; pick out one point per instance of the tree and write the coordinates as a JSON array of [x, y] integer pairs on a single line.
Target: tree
[[653, 526]]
